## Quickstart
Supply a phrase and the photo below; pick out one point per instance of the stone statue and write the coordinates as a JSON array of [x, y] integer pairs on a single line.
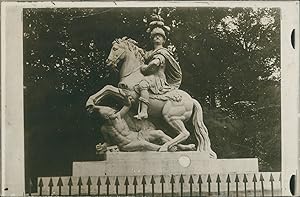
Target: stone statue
[[149, 83]]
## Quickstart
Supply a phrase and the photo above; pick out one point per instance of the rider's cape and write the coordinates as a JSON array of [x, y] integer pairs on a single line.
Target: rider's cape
[[173, 71]]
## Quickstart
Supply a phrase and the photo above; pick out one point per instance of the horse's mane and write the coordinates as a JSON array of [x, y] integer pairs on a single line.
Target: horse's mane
[[132, 45]]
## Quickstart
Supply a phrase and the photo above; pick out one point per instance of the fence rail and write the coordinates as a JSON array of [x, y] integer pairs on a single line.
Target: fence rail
[[235, 185]]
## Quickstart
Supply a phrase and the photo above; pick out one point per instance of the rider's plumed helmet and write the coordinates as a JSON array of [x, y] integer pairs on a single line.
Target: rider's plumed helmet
[[157, 26]]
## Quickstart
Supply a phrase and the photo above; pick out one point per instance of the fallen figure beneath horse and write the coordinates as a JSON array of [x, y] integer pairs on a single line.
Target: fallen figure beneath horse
[[116, 132]]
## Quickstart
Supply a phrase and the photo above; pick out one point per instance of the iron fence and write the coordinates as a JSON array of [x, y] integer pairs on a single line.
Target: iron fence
[[233, 185]]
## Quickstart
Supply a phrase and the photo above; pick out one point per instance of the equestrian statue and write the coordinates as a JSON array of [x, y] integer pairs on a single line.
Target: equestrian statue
[[149, 85]]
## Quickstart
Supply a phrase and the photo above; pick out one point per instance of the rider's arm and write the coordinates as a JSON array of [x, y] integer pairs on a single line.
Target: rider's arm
[[153, 65]]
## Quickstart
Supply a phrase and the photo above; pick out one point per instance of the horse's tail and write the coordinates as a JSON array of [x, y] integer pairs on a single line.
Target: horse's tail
[[201, 131]]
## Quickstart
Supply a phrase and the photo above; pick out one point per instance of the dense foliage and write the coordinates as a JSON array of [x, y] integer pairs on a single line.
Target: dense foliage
[[230, 59]]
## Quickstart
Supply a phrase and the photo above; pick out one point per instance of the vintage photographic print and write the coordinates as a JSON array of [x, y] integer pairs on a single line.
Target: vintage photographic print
[[152, 101]]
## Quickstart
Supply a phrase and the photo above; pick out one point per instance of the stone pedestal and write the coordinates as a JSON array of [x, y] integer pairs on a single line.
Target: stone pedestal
[[162, 163]]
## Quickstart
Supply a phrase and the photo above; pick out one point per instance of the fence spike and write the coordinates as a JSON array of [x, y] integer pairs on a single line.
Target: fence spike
[[41, 184], [107, 183], [245, 180], [254, 180], [218, 179], [79, 185], [98, 185], [126, 186], [126, 181], [208, 182], [208, 178], [59, 184], [152, 181], [237, 179], [143, 180], [271, 178], [162, 179], [79, 182], [89, 183], [228, 181], [70, 184], [172, 181], [261, 179], [237, 185], [50, 185], [191, 182], [117, 183], [134, 185], [144, 183], [181, 181], [50, 182], [99, 181], [279, 177], [199, 180], [272, 186], [134, 181], [218, 184]]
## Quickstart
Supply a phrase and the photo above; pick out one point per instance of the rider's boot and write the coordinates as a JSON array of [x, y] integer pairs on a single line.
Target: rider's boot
[[144, 108], [144, 101], [143, 114]]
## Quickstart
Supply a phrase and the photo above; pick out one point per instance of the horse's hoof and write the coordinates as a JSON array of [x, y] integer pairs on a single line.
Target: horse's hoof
[[141, 116], [163, 149], [173, 149], [193, 147], [137, 117]]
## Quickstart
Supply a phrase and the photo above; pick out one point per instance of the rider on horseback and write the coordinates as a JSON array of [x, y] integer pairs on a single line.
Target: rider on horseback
[[162, 72]]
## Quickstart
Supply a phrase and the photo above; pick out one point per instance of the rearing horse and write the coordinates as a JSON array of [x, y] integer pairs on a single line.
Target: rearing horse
[[174, 112]]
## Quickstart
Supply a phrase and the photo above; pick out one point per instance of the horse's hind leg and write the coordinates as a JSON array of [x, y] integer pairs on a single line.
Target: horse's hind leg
[[178, 125]]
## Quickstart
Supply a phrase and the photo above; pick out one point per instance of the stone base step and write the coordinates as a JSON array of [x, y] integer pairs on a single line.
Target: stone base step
[[162, 163]]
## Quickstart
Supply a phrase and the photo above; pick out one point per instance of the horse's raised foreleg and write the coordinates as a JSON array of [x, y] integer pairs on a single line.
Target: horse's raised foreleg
[[107, 90]]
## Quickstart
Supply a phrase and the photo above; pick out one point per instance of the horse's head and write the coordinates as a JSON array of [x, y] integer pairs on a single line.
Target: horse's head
[[117, 53], [121, 47]]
